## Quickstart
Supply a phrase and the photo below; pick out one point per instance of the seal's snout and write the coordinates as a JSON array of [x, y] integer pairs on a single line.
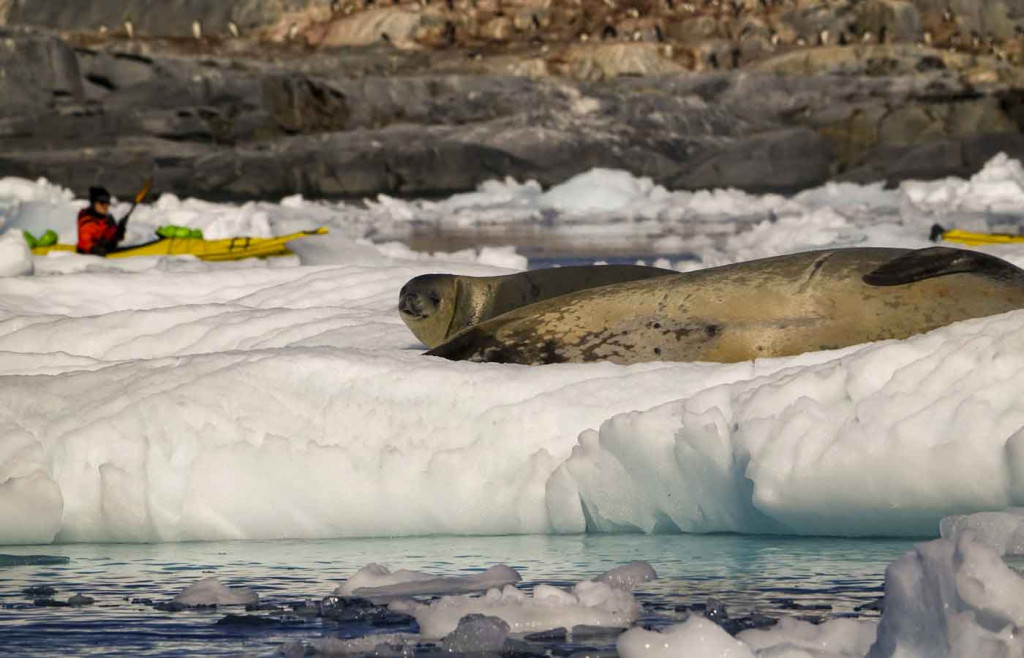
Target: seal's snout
[[416, 304], [408, 303]]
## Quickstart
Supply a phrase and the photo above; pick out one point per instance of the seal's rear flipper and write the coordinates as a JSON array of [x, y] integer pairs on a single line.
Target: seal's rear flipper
[[935, 261]]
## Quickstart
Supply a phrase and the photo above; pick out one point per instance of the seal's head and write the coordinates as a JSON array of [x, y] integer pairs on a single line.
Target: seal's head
[[427, 306]]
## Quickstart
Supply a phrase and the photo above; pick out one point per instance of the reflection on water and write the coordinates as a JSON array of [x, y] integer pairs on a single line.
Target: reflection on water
[[776, 576]]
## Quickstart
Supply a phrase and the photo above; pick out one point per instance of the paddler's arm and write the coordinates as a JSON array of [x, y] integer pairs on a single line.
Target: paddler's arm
[[122, 224]]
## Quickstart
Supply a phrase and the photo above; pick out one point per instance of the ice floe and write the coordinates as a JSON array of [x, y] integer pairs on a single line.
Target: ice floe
[[1002, 530], [376, 581], [154, 400], [210, 591]]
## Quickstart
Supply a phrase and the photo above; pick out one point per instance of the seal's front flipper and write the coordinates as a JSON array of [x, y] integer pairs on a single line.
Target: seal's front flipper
[[935, 261]]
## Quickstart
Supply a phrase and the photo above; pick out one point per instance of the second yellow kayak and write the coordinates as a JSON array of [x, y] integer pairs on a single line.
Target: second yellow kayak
[[972, 239]]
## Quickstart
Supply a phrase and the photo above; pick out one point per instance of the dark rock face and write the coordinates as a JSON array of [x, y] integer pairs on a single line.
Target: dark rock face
[[361, 121]]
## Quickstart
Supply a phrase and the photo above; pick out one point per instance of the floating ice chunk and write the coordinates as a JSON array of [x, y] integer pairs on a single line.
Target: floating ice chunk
[[790, 233], [476, 634], [628, 576], [954, 598], [504, 257], [836, 638], [695, 638], [376, 576], [589, 603], [210, 591], [376, 581], [15, 255], [1002, 531], [599, 190], [998, 187], [293, 201], [701, 638], [388, 644], [23, 190]]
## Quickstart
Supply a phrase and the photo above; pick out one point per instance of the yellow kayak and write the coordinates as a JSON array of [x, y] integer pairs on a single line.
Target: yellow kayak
[[226, 249], [973, 239]]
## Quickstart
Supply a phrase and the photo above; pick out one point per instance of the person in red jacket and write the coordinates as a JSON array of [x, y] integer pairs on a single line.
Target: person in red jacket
[[98, 232]]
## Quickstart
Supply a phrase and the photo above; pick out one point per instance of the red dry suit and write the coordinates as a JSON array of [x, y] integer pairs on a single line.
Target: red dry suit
[[97, 234]]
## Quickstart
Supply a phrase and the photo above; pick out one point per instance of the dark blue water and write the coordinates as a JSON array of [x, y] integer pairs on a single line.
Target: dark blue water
[[810, 578]]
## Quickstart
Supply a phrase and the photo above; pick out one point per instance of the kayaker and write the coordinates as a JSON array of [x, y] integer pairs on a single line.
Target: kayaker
[[98, 232]]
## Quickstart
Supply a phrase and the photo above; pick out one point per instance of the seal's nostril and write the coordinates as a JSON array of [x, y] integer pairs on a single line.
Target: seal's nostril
[[408, 303]]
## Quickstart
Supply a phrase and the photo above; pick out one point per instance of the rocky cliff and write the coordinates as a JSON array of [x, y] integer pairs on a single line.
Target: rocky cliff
[[263, 98]]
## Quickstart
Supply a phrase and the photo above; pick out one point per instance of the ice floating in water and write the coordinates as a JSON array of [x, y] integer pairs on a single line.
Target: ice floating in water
[[953, 598], [836, 638], [210, 591], [376, 581], [362, 646], [136, 402], [700, 638], [597, 203], [476, 634], [588, 603], [1002, 531], [945, 599], [694, 638], [628, 576]]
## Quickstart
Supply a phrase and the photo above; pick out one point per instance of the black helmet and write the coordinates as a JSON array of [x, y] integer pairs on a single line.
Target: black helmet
[[99, 195]]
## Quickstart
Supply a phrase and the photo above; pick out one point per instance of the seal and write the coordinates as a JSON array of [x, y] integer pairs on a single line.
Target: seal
[[772, 307], [437, 306]]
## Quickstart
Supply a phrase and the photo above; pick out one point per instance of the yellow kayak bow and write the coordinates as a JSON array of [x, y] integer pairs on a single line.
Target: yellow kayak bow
[[972, 239], [212, 250]]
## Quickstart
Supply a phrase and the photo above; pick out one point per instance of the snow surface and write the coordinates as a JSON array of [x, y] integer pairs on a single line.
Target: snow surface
[[170, 399]]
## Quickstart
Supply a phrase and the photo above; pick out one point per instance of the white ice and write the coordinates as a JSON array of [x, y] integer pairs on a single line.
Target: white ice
[[699, 638], [169, 399], [376, 581], [949, 598], [604, 601], [628, 576], [1002, 531], [362, 646], [588, 603], [210, 591]]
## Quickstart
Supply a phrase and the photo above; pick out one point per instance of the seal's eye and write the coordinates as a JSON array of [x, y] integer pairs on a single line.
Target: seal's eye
[[434, 297]]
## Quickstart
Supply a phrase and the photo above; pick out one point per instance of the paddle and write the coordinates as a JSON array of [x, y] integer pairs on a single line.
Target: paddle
[[123, 222]]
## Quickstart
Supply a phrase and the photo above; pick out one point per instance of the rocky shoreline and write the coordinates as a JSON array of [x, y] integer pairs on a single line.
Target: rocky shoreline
[[346, 100]]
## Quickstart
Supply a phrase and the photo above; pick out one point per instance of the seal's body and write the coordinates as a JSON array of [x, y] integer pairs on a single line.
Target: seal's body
[[435, 307], [765, 308]]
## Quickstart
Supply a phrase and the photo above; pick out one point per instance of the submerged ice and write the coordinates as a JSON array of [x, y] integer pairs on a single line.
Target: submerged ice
[[171, 399]]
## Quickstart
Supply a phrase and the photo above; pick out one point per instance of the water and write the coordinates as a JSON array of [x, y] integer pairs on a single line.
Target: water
[[777, 576]]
